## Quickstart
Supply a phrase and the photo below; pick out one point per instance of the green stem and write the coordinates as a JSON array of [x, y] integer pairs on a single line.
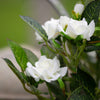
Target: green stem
[[50, 48], [28, 90], [80, 53], [57, 52], [97, 28], [64, 45], [51, 96]]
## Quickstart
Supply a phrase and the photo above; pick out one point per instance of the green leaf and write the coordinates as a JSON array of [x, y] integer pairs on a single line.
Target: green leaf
[[91, 11], [32, 58], [85, 2], [91, 48], [54, 87], [80, 93], [36, 26], [81, 78], [32, 81], [62, 63], [19, 54], [47, 52], [15, 70]]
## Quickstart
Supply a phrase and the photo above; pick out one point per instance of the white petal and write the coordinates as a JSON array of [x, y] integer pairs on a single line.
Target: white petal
[[40, 61], [79, 8], [51, 28], [63, 71], [50, 77], [31, 71], [59, 28], [63, 21], [92, 28]]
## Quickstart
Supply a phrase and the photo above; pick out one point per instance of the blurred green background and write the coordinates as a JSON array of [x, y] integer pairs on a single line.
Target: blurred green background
[[11, 25]]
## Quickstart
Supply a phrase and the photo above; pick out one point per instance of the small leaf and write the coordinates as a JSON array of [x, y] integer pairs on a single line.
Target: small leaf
[[36, 26], [47, 52], [32, 58], [32, 81], [15, 70], [91, 11], [80, 94], [54, 87], [19, 54], [91, 48]]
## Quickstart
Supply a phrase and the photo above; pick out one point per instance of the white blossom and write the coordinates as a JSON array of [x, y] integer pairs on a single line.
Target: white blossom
[[51, 29], [75, 28], [63, 21], [79, 8], [46, 69]]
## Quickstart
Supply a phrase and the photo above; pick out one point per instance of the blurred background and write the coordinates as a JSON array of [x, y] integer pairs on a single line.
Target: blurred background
[[12, 27]]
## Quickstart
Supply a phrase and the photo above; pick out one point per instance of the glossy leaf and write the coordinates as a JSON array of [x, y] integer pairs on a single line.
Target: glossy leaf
[[92, 48], [47, 52], [32, 58], [15, 70], [86, 2], [81, 93], [19, 54], [36, 26], [91, 11], [83, 79]]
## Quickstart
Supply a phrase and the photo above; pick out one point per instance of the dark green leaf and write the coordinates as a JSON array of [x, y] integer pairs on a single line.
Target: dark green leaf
[[80, 94], [36, 26], [83, 79], [62, 63], [31, 56], [15, 70], [92, 48], [54, 87], [91, 11], [19, 54], [47, 52], [86, 2], [32, 81]]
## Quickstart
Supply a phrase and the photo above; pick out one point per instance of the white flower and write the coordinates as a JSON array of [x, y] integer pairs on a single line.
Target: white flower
[[63, 21], [51, 29], [79, 8], [46, 69], [75, 28]]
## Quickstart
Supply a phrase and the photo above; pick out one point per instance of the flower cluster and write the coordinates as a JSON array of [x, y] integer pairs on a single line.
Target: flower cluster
[[48, 69], [70, 56], [68, 26]]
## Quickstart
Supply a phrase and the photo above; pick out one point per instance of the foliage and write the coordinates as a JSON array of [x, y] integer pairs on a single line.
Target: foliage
[[77, 84]]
